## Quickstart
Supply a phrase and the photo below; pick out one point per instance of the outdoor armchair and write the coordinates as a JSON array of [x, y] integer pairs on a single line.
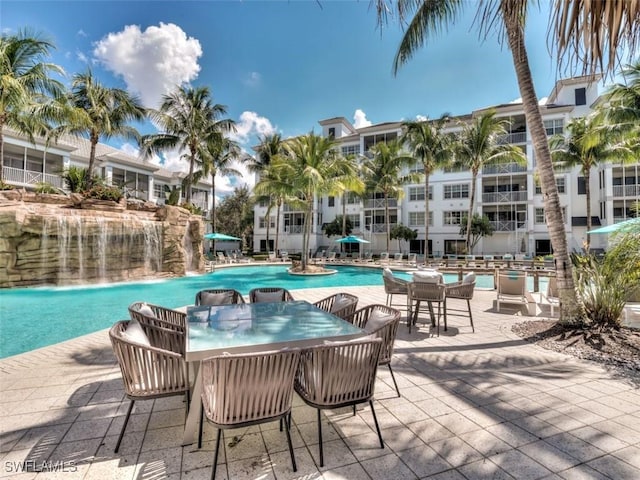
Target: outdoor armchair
[[339, 374], [381, 321], [270, 294], [430, 293], [341, 304], [148, 370], [240, 390], [219, 296], [462, 290], [393, 286], [166, 318]]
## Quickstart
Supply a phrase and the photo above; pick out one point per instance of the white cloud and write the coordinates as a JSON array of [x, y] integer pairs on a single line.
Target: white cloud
[[151, 62], [81, 56], [543, 101], [81, 33], [253, 79], [360, 119], [251, 124], [421, 118], [170, 159]]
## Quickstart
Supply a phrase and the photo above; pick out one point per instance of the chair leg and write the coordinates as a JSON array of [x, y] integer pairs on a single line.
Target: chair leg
[[445, 313], [215, 455], [201, 427], [470, 315], [375, 420], [354, 410], [287, 428], [124, 426], [320, 439], [393, 377]]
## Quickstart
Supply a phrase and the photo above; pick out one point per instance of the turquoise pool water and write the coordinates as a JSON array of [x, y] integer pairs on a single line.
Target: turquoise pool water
[[36, 317]]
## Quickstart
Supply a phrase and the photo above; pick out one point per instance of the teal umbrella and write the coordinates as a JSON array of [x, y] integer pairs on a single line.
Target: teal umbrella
[[220, 236], [352, 239], [632, 225]]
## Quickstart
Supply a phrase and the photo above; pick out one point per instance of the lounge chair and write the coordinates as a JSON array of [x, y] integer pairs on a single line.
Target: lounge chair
[[272, 256], [512, 288], [489, 261], [412, 259], [284, 256], [462, 290], [218, 296], [397, 258], [551, 295], [270, 294], [331, 257], [340, 304], [384, 258]]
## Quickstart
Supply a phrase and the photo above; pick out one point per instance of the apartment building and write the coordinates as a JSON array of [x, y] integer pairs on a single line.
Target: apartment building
[[506, 193], [27, 164]]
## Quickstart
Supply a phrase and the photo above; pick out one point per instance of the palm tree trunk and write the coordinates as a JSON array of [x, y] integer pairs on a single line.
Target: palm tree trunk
[[308, 219], [92, 160], [472, 200], [192, 161], [587, 187], [278, 203], [426, 216], [344, 220], [213, 208], [570, 308], [268, 220], [386, 220], [1, 151]]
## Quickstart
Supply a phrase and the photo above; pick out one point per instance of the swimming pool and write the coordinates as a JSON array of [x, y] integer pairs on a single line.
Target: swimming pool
[[36, 317]]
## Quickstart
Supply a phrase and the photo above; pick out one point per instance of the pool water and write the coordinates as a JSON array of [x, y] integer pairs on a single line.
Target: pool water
[[36, 317]]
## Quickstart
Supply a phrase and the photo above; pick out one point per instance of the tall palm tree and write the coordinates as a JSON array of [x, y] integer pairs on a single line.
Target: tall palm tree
[[101, 112], [383, 174], [433, 148], [26, 83], [586, 143], [508, 18], [479, 145], [275, 190], [188, 119], [623, 107]]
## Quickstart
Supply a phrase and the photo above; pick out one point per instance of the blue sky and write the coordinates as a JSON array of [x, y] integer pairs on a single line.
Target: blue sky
[[282, 66]]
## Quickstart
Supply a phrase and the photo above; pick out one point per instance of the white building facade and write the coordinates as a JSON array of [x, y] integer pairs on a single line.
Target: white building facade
[[507, 193]]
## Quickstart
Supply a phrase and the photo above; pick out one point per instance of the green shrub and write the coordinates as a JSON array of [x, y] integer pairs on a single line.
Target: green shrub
[[46, 187], [192, 208], [105, 192], [5, 186]]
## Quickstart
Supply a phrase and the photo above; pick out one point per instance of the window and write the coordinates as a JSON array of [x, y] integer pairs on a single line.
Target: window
[[332, 132], [453, 217], [554, 127], [417, 168], [582, 186], [416, 193], [371, 140], [352, 198], [541, 219], [355, 221], [416, 219], [262, 223], [264, 202], [458, 190], [560, 184], [351, 150], [581, 96], [331, 202]]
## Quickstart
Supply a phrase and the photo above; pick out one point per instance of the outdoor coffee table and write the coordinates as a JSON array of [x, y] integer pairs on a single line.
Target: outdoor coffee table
[[253, 327]]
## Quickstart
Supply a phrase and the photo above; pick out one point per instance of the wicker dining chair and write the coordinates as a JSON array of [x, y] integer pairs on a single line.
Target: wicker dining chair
[[148, 371], [394, 286], [381, 321], [240, 390], [429, 293], [462, 290], [340, 304], [270, 294], [218, 296], [166, 319], [339, 374]]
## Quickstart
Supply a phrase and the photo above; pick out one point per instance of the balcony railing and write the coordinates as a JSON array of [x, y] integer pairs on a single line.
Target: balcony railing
[[28, 178], [379, 203], [379, 227], [626, 190], [511, 167], [293, 228], [507, 225], [519, 137], [504, 197]]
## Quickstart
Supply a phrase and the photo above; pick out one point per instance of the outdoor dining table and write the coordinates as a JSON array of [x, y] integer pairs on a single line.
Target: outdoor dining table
[[253, 327]]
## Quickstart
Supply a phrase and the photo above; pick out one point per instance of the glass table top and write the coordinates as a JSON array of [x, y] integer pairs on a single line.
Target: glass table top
[[258, 326]]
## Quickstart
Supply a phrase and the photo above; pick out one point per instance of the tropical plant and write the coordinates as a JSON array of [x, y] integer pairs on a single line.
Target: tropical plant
[[105, 192], [46, 187], [338, 226], [188, 120], [432, 147], [479, 145], [26, 85], [425, 19], [6, 186], [481, 227], [172, 195], [100, 112], [606, 284], [383, 174], [235, 215], [75, 178], [402, 232], [586, 143]]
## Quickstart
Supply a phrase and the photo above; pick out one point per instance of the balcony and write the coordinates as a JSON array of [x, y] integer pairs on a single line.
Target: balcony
[[507, 225], [503, 168], [519, 137], [626, 190], [293, 228], [27, 178], [505, 197], [379, 227], [379, 203]]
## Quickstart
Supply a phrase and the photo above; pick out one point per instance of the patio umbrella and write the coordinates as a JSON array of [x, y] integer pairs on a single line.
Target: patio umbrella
[[220, 236], [627, 226], [352, 239]]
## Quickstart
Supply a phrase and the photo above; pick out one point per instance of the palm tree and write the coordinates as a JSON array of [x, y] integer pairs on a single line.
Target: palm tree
[[479, 145], [586, 143], [508, 17], [188, 119], [432, 147], [383, 174], [25, 85], [275, 190], [623, 107], [101, 112]]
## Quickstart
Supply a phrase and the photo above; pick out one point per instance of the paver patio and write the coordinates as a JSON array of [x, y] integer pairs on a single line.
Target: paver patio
[[473, 406]]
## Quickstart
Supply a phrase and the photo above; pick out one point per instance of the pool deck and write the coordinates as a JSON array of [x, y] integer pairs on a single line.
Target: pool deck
[[474, 406]]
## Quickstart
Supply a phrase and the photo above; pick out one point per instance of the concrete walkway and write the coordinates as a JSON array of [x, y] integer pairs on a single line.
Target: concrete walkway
[[474, 406]]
